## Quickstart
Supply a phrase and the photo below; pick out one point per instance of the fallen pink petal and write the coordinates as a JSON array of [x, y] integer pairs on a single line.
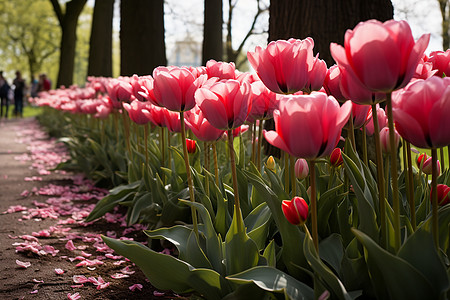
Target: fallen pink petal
[[136, 286], [23, 264]]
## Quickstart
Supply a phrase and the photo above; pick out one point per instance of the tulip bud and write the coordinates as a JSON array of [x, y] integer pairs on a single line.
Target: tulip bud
[[301, 168], [421, 159], [385, 141], [295, 210], [427, 166], [270, 164], [336, 157], [191, 145], [442, 194]]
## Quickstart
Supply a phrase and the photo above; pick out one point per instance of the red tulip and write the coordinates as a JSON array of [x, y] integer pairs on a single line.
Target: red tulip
[[421, 112], [225, 104], [308, 126], [421, 160], [441, 62], [336, 158], [191, 146], [442, 194], [382, 57], [200, 126], [174, 88], [284, 66], [295, 210]]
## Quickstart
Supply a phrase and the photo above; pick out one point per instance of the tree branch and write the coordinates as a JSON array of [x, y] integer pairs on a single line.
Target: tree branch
[[58, 11]]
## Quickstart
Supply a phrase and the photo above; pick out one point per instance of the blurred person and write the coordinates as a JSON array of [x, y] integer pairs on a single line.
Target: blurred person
[[34, 87], [44, 83], [4, 89], [19, 91]]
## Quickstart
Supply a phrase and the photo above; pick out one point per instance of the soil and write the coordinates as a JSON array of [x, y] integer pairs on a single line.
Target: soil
[[40, 280]]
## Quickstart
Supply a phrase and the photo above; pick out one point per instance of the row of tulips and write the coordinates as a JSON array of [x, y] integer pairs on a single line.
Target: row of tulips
[[365, 228]]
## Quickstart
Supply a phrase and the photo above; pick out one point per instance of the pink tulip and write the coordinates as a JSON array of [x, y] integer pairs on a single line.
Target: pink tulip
[[441, 62], [200, 126], [140, 84], [421, 112], [424, 70], [385, 141], [225, 104], [284, 66], [380, 56], [103, 109], [174, 88], [382, 120], [356, 92], [316, 75], [135, 111], [428, 165], [360, 115], [332, 83], [295, 210], [120, 90], [308, 126], [222, 70], [163, 117], [301, 168], [264, 102]]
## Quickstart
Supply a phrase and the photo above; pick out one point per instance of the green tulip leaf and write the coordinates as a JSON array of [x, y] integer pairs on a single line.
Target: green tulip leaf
[[274, 280], [392, 276], [331, 251], [257, 224], [443, 225]]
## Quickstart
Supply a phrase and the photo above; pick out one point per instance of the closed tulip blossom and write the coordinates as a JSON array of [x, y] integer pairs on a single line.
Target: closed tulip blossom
[[443, 194], [191, 146], [380, 56], [284, 66], [174, 88], [120, 90], [200, 126], [295, 210], [384, 139], [134, 110], [163, 117], [336, 158], [308, 126], [356, 92], [427, 166], [264, 102], [421, 112], [225, 104], [421, 160], [441, 62], [361, 114], [301, 168], [332, 83]]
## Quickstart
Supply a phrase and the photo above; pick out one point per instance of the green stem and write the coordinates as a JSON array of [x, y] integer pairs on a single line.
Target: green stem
[[351, 131], [364, 144], [206, 155], [394, 175], [286, 172], [315, 234], [380, 177], [261, 122], [253, 157], [412, 204], [146, 142], [293, 179], [126, 131], [441, 151], [237, 204], [216, 166], [188, 172], [434, 199]]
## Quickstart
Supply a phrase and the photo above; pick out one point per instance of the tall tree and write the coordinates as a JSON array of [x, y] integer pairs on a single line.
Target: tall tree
[[142, 46], [212, 31], [68, 21], [323, 20], [444, 6], [100, 45], [30, 42]]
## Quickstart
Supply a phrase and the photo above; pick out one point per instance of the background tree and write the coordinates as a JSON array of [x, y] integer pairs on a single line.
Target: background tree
[[212, 31], [325, 21], [100, 45], [68, 20], [444, 6], [82, 48], [29, 35], [142, 46]]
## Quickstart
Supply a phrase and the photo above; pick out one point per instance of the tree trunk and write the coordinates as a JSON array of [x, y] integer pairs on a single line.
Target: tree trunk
[[68, 22], [142, 46], [323, 20], [100, 45], [212, 31], [444, 6]]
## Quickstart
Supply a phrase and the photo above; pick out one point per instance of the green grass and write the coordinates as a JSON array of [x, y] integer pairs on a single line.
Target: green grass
[[31, 111]]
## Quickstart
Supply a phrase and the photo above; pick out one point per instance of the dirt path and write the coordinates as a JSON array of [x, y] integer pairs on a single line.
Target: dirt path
[[44, 227]]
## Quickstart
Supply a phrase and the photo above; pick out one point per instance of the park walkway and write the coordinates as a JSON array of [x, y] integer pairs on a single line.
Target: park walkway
[[46, 250]]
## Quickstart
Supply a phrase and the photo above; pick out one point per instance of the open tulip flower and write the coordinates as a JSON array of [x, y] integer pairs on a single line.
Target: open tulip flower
[[134, 110], [308, 126], [421, 112], [441, 62], [120, 90], [264, 102], [295, 210], [285, 66], [221, 70], [226, 103], [380, 56], [200, 126], [174, 88], [332, 83]]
